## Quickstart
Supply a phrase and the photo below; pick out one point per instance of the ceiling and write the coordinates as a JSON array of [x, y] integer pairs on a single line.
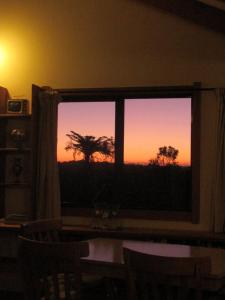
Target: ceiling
[[220, 4], [207, 13]]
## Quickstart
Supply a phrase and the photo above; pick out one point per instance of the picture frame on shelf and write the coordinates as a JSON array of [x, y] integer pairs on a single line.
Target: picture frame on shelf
[[17, 106]]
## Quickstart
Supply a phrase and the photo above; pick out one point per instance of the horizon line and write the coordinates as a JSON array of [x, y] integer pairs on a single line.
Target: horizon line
[[125, 163]]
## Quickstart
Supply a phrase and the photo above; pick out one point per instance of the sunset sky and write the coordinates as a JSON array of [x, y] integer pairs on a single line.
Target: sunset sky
[[149, 124]]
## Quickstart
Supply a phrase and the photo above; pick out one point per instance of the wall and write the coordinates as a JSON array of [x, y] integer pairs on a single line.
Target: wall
[[108, 43]]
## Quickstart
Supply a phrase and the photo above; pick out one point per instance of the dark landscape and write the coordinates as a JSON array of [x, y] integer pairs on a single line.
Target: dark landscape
[[133, 186]]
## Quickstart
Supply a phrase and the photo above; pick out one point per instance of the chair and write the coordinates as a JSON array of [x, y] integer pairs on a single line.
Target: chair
[[43, 230], [49, 230], [159, 277], [45, 264]]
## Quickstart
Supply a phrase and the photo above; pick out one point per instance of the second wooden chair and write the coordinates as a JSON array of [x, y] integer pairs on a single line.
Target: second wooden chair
[[159, 277], [51, 270]]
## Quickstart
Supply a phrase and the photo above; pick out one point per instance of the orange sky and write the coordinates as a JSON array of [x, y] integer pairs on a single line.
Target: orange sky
[[149, 124]]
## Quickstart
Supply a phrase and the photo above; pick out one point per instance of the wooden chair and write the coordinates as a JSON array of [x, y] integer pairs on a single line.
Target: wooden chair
[[43, 230], [10, 279], [158, 277], [45, 264], [49, 230]]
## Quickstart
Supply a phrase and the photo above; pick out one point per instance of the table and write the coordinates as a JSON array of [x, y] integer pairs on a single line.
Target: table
[[9, 232], [106, 258]]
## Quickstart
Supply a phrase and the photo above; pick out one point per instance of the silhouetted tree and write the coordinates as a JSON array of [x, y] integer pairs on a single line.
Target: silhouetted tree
[[154, 162], [89, 145], [167, 155]]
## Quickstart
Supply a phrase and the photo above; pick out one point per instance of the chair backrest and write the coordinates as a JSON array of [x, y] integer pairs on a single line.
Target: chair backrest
[[43, 230], [160, 277], [51, 270]]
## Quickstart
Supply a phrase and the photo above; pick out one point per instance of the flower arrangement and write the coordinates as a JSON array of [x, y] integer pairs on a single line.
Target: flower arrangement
[[106, 209]]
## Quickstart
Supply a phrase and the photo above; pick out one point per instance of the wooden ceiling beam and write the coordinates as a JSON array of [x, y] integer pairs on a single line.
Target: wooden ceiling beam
[[196, 11]]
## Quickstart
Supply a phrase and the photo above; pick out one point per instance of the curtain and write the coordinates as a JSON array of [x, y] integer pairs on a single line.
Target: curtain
[[4, 96], [219, 179], [47, 192]]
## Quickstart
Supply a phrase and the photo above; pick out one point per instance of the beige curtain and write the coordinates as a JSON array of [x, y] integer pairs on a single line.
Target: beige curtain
[[4, 96], [47, 198], [219, 178]]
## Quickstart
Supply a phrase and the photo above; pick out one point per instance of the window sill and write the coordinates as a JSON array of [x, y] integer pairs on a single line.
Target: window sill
[[132, 214]]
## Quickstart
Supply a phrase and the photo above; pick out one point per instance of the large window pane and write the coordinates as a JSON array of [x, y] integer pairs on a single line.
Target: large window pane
[[85, 150], [157, 154]]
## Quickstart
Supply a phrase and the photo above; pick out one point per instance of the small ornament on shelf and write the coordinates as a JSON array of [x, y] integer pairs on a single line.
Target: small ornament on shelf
[[17, 168], [18, 136]]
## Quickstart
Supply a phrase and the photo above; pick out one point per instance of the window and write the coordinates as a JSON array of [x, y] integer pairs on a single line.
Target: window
[[137, 150], [84, 168]]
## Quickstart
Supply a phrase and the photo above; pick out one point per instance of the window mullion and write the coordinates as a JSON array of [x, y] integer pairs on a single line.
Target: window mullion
[[119, 132]]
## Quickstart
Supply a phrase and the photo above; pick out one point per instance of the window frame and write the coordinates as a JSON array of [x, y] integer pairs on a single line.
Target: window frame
[[119, 95]]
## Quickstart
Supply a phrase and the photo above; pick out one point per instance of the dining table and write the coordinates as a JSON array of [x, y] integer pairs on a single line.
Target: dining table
[[106, 258]]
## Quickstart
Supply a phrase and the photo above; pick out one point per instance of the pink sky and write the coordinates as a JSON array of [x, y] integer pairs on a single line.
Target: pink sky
[[149, 124]]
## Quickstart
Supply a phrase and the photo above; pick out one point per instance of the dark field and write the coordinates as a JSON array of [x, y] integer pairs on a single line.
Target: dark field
[[132, 187]]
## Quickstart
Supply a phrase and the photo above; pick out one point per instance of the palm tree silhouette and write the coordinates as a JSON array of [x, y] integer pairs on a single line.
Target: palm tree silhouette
[[88, 145]]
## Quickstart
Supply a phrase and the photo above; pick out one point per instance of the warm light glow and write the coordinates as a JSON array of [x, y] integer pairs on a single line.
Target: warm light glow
[[2, 56], [15, 61]]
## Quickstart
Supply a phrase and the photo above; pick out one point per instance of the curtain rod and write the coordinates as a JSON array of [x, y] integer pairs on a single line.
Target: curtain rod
[[135, 89]]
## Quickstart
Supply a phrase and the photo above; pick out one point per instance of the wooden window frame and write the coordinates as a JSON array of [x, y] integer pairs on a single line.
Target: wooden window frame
[[118, 95]]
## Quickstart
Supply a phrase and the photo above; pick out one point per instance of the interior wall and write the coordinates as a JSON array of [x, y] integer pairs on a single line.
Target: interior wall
[[104, 43], [108, 43]]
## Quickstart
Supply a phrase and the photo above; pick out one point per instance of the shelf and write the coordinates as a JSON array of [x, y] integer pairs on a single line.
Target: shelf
[[14, 150], [15, 161], [15, 116], [15, 184]]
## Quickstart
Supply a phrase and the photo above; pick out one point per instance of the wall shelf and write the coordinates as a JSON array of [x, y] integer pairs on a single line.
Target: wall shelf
[[15, 161], [15, 116], [15, 184], [13, 150]]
